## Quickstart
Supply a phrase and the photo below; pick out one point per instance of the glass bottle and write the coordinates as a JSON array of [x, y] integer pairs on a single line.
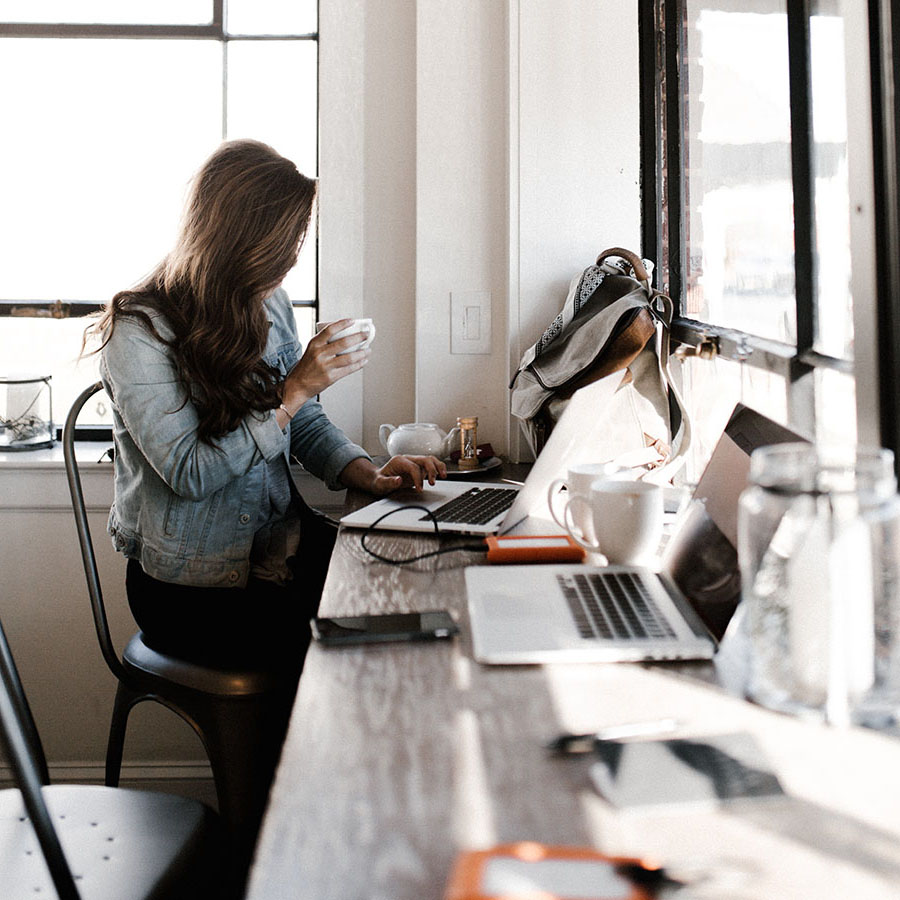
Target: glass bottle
[[812, 575]]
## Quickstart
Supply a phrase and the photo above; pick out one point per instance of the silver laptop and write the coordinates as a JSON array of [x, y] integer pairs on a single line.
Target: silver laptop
[[582, 613], [466, 507]]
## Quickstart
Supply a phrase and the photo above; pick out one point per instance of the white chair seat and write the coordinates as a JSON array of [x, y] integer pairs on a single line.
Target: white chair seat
[[120, 844]]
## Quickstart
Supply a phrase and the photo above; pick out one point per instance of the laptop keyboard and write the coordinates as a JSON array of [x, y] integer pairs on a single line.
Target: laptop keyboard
[[613, 605], [476, 506]]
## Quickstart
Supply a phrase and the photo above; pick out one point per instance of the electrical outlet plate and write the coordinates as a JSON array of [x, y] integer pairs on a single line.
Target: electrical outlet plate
[[470, 322]]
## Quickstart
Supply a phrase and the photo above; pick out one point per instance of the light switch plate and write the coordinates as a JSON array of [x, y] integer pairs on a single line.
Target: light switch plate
[[470, 322]]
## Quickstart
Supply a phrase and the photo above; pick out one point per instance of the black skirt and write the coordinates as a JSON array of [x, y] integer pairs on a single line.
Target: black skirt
[[261, 625]]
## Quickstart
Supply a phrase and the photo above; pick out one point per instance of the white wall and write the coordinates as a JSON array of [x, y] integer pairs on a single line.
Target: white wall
[[462, 218], [574, 152], [367, 202], [476, 145]]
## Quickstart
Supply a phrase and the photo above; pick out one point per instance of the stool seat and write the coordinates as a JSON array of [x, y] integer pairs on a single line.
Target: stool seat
[[145, 662], [120, 844]]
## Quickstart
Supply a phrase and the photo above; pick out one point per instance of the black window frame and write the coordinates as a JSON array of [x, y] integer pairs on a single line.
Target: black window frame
[[60, 308], [884, 54], [661, 41]]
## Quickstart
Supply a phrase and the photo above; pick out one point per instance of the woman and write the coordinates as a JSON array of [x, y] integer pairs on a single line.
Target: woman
[[211, 395]]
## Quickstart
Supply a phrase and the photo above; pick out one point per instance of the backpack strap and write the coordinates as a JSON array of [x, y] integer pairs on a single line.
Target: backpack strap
[[662, 308], [636, 263]]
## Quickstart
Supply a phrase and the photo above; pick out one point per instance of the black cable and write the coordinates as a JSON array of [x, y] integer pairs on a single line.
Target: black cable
[[475, 548]]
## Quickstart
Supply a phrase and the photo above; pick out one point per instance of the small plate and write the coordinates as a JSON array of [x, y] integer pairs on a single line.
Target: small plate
[[487, 465]]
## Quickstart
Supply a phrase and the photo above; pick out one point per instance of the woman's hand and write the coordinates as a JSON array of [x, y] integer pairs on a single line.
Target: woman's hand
[[398, 472], [321, 365]]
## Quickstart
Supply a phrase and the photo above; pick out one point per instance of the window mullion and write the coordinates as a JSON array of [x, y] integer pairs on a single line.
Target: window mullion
[[650, 104], [224, 90], [886, 123], [104, 30], [801, 172], [674, 113]]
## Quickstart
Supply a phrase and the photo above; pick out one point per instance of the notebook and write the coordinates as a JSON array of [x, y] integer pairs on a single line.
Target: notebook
[[524, 614], [578, 437]]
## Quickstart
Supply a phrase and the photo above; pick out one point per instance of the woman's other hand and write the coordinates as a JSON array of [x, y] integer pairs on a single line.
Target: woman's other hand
[[398, 472], [322, 364]]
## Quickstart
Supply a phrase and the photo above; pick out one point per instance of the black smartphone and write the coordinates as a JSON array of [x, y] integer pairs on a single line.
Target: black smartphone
[[384, 627]]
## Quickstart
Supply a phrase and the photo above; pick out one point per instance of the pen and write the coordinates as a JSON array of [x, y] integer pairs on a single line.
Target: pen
[[584, 743]]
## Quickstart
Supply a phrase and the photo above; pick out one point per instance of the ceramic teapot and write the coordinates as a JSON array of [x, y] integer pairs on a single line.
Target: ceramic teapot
[[418, 439]]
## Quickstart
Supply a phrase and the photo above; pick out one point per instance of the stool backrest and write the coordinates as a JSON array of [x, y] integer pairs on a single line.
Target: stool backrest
[[82, 526]]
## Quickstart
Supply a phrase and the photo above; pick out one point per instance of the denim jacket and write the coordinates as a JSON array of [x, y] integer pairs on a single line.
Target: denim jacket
[[184, 509]]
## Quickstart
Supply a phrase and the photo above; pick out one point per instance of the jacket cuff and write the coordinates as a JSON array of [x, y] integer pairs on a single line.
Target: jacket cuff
[[338, 461]]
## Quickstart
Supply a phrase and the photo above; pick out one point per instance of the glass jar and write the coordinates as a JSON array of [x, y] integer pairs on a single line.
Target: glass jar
[[811, 574], [26, 412]]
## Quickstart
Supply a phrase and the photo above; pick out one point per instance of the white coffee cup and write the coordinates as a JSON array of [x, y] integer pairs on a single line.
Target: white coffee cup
[[356, 326], [578, 480], [626, 517]]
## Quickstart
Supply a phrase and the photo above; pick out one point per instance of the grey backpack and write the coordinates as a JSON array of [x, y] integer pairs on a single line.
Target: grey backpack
[[612, 321]]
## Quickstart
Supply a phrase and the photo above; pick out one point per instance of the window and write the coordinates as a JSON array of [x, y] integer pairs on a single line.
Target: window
[[109, 107], [748, 159]]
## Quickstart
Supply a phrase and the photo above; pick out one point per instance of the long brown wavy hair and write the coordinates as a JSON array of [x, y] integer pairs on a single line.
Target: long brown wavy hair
[[245, 220]]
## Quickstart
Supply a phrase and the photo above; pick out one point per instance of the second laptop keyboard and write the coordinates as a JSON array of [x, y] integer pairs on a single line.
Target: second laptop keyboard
[[613, 605], [475, 507]]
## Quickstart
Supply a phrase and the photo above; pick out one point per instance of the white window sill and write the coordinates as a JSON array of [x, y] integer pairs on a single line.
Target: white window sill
[[51, 458], [35, 479]]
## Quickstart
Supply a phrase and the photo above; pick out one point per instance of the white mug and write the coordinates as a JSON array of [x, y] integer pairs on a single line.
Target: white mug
[[356, 326], [578, 480], [626, 517]]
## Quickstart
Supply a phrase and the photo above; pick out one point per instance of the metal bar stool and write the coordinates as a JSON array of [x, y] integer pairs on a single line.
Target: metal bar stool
[[240, 716]]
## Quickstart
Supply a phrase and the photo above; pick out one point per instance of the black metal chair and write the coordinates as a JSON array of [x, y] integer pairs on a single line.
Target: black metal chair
[[89, 841], [239, 716]]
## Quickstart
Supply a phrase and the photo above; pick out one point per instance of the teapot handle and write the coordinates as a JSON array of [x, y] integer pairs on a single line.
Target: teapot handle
[[384, 432]]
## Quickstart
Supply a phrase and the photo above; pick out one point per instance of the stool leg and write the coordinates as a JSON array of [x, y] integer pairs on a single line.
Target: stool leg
[[243, 740], [125, 699]]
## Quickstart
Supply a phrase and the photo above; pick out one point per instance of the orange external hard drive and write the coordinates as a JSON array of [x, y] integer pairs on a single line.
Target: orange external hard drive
[[532, 871], [526, 548]]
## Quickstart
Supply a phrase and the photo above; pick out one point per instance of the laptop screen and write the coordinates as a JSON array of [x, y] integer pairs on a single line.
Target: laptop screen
[[701, 556]]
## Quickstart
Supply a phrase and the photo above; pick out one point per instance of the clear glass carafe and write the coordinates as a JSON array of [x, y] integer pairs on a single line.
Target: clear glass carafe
[[815, 565]]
